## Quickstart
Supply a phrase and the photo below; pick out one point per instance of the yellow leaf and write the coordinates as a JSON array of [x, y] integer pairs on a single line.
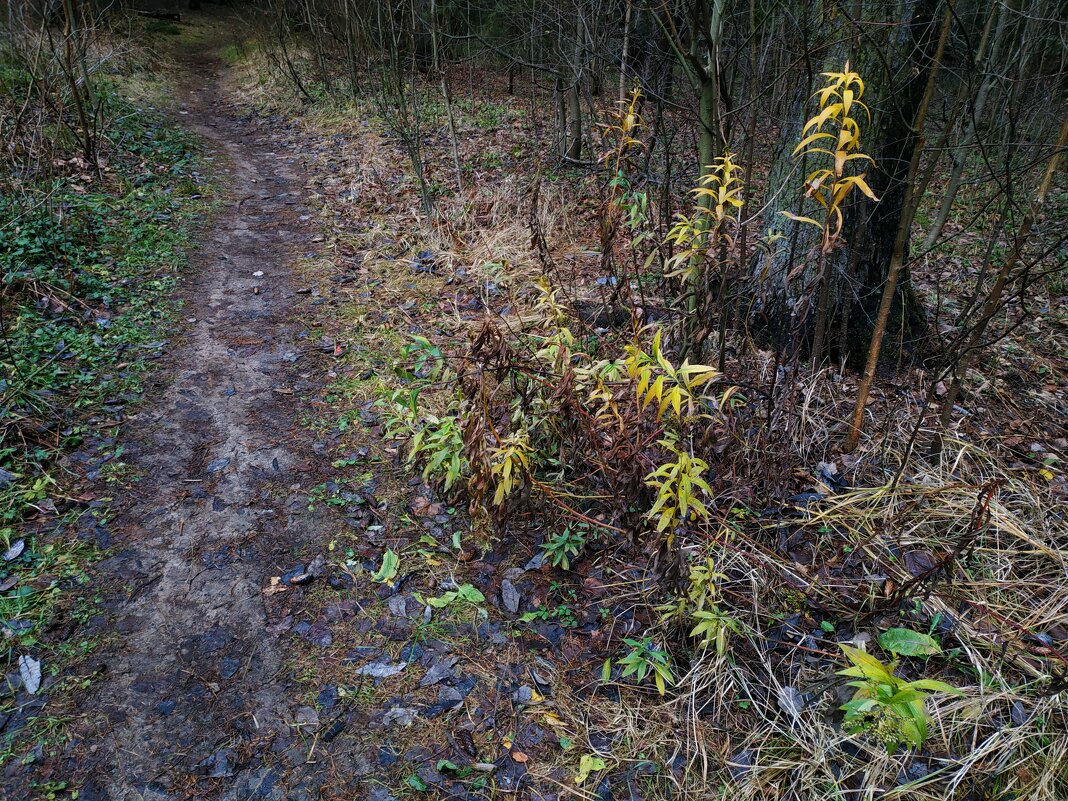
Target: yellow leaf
[[799, 218], [808, 140], [817, 122], [863, 186]]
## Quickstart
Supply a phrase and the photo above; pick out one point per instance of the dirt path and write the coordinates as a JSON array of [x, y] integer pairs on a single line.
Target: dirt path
[[194, 703]]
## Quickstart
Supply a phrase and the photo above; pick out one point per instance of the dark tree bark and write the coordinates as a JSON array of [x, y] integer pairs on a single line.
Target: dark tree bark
[[894, 63]]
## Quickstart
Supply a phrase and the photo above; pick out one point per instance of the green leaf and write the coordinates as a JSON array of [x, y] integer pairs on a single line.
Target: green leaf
[[905, 642], [390, 565], [868, 666], [934, 686], [587, 765], [468, 593], [442, 600], [416, 783]]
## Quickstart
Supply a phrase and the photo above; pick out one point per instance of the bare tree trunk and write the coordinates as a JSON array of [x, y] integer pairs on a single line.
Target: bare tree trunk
[[626, 53], [897, 260], [439, 69], [959, 152]]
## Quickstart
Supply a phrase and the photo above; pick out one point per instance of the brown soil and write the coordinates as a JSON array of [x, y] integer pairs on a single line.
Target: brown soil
[[194, 701]]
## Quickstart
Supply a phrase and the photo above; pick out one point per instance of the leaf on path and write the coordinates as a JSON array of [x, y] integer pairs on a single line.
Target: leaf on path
[[382, 669], [588, 764], [390, 565], [15, 551], [791, 701], [276, 586], [30, 673]]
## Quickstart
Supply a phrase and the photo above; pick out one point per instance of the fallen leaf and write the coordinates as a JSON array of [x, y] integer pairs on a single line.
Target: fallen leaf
[[276, 586], [30, 673]]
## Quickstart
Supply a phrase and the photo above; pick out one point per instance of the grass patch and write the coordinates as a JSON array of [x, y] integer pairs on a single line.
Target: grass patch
[[89, 266]]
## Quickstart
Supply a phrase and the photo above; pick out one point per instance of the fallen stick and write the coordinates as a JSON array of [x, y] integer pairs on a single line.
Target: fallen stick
[[168, 15]]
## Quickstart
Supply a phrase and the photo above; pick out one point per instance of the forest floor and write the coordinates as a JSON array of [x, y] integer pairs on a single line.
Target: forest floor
[[238, 658], [287, 610]]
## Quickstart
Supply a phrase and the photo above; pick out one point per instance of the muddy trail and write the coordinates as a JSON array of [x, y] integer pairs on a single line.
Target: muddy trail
[[191, 699]]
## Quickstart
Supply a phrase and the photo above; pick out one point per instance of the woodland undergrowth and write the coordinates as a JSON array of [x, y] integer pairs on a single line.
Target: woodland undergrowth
[[805, 622]]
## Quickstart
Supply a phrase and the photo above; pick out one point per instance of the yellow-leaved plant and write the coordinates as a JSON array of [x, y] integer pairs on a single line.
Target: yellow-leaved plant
[[679, 485], [830, 186], [713, 222], [509, 462], [657, 379]]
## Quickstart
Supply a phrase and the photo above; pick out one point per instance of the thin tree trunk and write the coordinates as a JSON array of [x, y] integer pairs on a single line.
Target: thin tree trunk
[[960, 151], [442, 75], [897, 258], [993, 299], [625, 54]]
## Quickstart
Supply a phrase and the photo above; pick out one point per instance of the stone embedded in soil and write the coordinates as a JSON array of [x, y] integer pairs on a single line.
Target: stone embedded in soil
[[214, 638], [218, 465], [292, 573], [412, 652], [399, 716], [328, 697], [398, 605], [307, 718], [220, 764], [379, 792]]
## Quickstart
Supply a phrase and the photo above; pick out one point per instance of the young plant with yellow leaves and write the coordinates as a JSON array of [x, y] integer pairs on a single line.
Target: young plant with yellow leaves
[[679, 485], [710, 229], [831, 186], [625, 203], [698, 609], [657, 379], [509, 462]]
